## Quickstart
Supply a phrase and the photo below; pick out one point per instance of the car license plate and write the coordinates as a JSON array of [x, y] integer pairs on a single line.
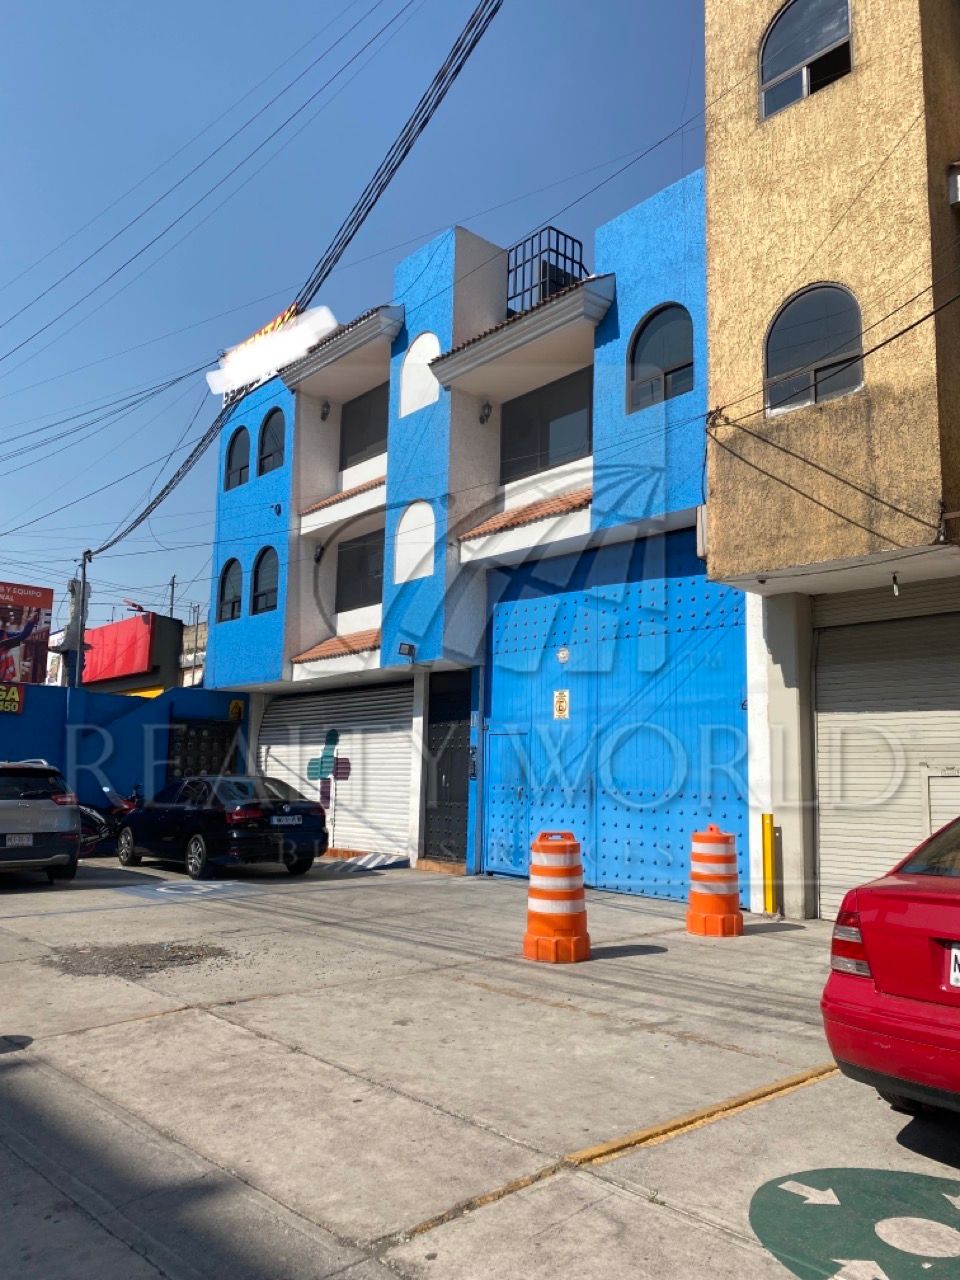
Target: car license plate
[[292, 820], [955, 965], [19, 842]]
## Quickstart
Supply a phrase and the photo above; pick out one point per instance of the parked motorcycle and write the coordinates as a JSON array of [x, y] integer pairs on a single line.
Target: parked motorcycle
[[99, 827]]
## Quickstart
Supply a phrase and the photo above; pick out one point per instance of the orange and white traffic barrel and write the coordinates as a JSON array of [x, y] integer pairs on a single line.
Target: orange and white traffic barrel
[[556, 905], [714, 908]]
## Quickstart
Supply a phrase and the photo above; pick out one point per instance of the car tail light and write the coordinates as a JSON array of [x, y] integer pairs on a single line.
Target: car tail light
[[65, 798], [847, 952], [317, 811], [244, 814]]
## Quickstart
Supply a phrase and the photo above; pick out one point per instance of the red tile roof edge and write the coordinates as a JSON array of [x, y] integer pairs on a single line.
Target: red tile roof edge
[[344, 494], [341, 646], [560, 504]]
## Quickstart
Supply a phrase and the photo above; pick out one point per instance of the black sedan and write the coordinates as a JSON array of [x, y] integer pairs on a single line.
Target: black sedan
[[209, 822]]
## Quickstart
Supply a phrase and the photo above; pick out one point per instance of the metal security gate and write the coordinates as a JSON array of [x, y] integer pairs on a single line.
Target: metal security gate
[[448, 766], [888, 743], [354, 751], [616, 685]]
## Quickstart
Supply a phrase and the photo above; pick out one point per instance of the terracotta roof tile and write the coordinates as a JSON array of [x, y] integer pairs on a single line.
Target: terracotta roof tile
[[344, 494], [560, 504], [342, 646], [561, 293]]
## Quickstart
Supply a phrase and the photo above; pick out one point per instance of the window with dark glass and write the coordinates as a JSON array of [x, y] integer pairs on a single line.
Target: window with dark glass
[[806, 49], [266, 578], [238, 459], [230, 602], [363, 426], [360, 572], [661, 358], [547, 427], [270, 453], [814, 349]]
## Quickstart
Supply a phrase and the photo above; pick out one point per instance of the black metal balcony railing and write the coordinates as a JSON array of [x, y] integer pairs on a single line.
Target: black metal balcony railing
[[541, 266]]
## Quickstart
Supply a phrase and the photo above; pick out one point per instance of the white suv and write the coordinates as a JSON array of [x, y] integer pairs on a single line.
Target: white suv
[[39, 820]]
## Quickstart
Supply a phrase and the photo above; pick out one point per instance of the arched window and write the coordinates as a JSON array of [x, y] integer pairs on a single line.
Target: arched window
[[661, 358], [270, 453], [806, 48], [230, 601], [418, 386], [238, 459], [814, 349], [266, 579], [413, 551]]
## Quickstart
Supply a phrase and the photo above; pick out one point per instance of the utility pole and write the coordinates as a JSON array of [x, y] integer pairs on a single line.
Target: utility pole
[[196, 638], [85, 559], [173, 587]]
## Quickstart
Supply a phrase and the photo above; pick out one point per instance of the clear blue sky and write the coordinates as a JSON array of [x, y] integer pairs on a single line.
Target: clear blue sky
[[96, 95]]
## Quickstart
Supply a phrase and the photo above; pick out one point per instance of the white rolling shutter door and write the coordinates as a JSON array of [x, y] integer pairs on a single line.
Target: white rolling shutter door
[[888, 712], [370, 809]]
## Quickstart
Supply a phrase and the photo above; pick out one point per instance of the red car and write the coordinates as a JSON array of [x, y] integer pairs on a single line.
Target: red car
[[891, 1006]]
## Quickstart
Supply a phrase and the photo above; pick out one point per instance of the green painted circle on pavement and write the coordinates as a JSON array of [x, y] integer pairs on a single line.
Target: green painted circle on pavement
[[823, 1224]]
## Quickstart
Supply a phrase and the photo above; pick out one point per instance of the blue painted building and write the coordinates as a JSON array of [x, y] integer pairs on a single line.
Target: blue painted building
[[489, 613]]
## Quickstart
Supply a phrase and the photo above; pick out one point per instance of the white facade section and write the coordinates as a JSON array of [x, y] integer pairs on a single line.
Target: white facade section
[[371, 733], [359, 620], [414, 543], [418, 386], [350, 664], [361, 472], [551, 537], [759, 772], [342, 512], [547, 484]]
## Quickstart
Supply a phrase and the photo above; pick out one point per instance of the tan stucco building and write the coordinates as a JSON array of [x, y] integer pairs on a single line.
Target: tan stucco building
[[834, 445]]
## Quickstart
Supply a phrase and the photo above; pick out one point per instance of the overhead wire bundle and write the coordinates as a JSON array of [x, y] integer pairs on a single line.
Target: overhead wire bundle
[[470, 36]]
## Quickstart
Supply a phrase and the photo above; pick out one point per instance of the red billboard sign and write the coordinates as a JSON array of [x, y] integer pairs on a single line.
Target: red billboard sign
[[119, 649], [25, 614]]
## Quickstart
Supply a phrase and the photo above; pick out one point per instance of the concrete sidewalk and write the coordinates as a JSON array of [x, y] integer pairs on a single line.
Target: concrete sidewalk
[[356, 1074]]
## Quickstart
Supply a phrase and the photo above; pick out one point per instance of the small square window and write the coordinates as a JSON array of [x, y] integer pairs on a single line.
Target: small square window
[[783, 94]]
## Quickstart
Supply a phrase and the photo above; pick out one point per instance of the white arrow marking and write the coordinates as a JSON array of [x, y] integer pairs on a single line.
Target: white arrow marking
[[810, 1195], [954, 1200], [854, 1270]]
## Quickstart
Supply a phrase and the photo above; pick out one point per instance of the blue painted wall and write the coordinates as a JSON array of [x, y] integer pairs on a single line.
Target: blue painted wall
[[103, 738], [650, 463], [419, 453], [258, 514], [653, 658]]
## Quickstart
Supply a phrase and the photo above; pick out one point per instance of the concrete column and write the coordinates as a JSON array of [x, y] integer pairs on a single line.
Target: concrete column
[[758, 742], [421, 692], [788, 633]]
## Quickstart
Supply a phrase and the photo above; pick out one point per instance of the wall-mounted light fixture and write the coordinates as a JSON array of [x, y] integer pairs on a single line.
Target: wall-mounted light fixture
[[407, 650], [896, 585], [325, 411], [318, 553], [486, 409]]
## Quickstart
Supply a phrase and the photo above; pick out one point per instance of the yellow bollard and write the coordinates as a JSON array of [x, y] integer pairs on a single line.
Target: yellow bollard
[[769, 865]]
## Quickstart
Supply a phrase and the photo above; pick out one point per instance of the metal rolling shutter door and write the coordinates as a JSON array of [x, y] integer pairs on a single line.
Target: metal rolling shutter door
[[888, 706], [371, 808]]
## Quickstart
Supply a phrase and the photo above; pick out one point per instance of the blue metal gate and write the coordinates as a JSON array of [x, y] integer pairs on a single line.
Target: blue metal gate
[[616, 698]]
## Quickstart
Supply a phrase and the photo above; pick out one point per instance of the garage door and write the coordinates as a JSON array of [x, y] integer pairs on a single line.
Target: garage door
[[888, 716], [355, 750]]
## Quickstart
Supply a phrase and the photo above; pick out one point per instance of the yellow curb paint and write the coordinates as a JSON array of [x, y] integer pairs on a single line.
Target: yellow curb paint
[[605, 1151]]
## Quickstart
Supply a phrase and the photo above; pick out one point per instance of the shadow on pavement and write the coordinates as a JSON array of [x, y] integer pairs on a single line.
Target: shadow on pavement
[[14, 1044], [91, 1187], [115, 877], [936, 1135], [620, 951], [772, 926]]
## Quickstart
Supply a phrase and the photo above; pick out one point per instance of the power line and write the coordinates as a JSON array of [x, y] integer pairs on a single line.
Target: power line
[[456, 60], [219, 183]]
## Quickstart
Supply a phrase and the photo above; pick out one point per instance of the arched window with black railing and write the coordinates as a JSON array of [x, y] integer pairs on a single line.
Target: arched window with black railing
[[814, 349], [237, 470], [270, 454], [661, 358], [230, 596], [266, 581]]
